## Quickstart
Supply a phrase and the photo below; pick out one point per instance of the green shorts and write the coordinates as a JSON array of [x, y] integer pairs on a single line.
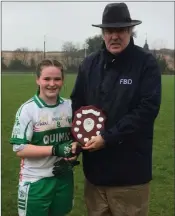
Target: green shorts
[[47, 197]]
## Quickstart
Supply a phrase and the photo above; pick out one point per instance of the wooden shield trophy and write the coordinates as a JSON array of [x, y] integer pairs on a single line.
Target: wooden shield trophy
[[87, 123]]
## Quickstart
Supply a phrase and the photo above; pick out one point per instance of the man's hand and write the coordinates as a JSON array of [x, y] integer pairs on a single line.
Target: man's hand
[[94, 144]]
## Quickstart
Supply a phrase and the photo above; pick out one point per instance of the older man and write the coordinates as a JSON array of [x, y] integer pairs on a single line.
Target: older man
[[124, 82]]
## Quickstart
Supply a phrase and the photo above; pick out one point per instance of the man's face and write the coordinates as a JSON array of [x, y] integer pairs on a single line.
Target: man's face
[[116, 39]]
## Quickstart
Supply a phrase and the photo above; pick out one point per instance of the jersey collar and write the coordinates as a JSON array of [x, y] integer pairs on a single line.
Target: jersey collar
[[41, 104]]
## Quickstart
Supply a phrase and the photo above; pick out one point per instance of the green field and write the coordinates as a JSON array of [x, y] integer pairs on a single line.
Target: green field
[[16, 89]]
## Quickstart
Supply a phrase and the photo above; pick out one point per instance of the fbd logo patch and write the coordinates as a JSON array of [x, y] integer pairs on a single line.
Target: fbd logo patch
[[126, 81]]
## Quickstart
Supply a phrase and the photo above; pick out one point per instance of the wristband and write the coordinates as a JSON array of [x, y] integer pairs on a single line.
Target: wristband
[[53, 151]]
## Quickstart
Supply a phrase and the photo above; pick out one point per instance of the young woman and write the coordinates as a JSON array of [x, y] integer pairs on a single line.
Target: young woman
[[41, 138]]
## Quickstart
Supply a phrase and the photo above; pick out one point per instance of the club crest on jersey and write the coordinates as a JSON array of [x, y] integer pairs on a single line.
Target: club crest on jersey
[[63, 120]]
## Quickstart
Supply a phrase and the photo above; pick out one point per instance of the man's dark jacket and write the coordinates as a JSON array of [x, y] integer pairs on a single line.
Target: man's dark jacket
[[127, 87]]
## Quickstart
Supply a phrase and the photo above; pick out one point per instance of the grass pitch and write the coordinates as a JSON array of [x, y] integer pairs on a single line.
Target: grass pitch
[[16, 89]]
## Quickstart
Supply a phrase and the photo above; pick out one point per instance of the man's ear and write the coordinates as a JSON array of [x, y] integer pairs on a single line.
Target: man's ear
[[131, 31]]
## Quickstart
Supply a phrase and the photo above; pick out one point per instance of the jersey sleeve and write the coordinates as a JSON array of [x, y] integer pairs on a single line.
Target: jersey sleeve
[[23, 127]]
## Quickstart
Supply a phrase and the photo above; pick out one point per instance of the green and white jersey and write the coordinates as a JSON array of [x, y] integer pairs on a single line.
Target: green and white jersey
[[42, 125]]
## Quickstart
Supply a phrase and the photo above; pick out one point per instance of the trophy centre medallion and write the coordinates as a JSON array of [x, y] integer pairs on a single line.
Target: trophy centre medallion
[[88, 124]]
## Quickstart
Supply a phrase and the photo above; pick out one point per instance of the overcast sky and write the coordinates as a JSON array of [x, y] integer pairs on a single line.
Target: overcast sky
[[24, 24]]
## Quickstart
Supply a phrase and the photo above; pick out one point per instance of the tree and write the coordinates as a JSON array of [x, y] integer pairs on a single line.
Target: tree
[[32, 64], [154, 53], [162, 64], [39, 55], [21, 54], [70, 54], [17, 65], [19, 61], [94, 43], [3, 65]]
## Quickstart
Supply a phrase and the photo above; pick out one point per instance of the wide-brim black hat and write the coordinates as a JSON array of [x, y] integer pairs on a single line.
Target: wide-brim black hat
[[117, 15]]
